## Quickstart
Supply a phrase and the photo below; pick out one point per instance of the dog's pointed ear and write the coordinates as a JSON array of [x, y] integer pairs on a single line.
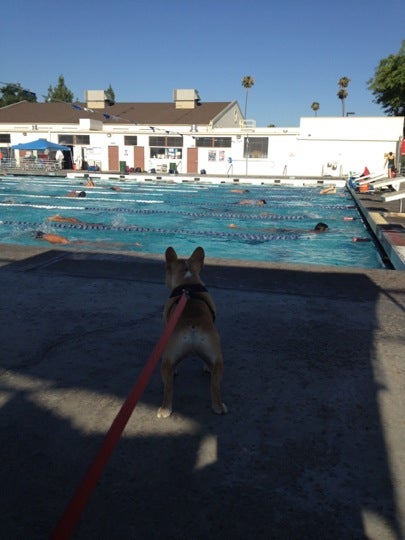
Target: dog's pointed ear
[[198, 256], [170, 255]]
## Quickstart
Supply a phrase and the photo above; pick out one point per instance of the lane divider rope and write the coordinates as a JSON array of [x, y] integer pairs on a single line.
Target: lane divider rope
[[134, 228], [142, 211]]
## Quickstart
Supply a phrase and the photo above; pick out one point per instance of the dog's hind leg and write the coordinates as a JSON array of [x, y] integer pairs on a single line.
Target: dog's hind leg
[[216, 375], [167, 373]]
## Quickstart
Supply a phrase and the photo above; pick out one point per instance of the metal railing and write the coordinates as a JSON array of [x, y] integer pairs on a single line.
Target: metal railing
[[8, 163], [31, 164]]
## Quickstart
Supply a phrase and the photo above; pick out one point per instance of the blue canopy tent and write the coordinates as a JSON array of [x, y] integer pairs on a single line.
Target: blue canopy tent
[[42, 145]]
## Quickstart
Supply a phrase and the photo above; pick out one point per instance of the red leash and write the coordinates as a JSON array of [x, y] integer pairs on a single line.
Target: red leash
[[69, 519]]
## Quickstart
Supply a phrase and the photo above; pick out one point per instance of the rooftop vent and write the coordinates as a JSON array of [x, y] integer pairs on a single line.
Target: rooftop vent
[[95, 99], [186, 98]]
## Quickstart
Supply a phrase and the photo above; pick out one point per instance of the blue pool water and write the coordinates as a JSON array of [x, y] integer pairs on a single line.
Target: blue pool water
[[147, 217]]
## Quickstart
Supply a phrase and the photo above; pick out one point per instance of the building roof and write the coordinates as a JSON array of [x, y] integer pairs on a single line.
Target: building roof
[[135, 113]]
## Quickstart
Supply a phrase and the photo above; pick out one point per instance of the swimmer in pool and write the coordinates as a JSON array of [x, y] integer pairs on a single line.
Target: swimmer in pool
[[76, 194], [68, 219], [58, 239], [319, 228], [252, 202], [62, 219], [329, 190], [51, 238], [239, 191]]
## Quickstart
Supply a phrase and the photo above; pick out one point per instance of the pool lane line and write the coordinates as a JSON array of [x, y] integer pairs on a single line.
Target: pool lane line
[[134, 228], [148, 211]]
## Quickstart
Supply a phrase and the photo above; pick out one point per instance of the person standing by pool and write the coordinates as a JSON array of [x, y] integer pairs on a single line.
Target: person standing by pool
[[390, 161], [59, 158]]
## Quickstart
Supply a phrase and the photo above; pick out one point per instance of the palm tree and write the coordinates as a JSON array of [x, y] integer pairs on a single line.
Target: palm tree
[[343, 93], [315, 107], [247, 82]]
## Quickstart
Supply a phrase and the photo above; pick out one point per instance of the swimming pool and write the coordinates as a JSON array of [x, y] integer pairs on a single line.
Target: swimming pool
[[149, 216]]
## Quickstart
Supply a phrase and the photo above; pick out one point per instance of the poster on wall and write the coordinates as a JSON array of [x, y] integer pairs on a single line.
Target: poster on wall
[[212, 155], [221, 156], [92, 152]]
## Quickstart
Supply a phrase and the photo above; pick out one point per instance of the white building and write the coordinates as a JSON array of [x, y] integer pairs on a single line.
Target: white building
[[191, 136]]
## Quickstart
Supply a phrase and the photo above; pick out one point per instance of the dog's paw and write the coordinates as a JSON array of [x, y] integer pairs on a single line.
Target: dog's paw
[[220, 409], [164, 412]]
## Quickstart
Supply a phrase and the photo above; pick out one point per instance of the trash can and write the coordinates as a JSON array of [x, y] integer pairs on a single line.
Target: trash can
[[123, 167], [172, 168]]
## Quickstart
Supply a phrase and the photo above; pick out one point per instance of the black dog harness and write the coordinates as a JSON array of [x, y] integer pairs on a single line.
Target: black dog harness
[[192, 291]]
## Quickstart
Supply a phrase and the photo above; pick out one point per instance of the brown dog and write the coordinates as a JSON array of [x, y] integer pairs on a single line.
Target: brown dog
[[195, 332]]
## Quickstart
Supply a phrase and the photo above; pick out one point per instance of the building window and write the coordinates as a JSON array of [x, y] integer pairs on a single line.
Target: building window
[[163, 147], [81, 139], [213, 142], [131, 140], [166, 141], [256, 147], [65, 139], [5, 138], [73, 139]]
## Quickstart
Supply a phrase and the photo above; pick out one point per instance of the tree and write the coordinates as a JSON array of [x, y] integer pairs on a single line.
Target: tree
[[388, 84], [343, 93], [247, 82], [110, 95], [60, 93], [315, 107], [14, 93]]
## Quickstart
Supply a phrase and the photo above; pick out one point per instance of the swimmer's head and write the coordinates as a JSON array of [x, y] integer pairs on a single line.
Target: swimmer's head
[[262, 201], [38, 234], [81, 194], [232, 225], [321, 227]]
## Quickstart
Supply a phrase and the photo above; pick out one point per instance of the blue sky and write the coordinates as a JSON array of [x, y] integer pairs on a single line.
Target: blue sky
[[296, 51]]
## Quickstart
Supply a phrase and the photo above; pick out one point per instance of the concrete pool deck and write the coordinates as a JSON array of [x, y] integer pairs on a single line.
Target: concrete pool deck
[[386, 222], [313, 445]]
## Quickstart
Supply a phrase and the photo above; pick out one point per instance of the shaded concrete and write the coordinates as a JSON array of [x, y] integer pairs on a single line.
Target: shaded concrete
[[312, 448]]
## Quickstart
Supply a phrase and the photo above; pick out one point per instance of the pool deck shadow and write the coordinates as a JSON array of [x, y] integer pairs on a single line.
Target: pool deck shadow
[[312, 446]]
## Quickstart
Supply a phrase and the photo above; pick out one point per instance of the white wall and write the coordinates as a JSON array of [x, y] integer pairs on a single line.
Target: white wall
[[351, 143], [331, 146]]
